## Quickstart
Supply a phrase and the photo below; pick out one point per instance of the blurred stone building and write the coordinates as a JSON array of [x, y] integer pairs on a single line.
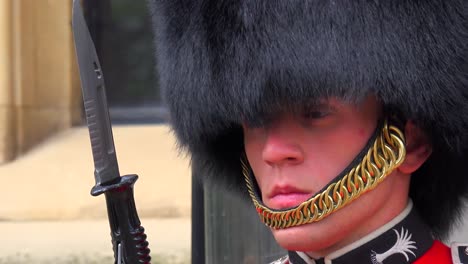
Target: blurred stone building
[[44, 142], [40, 91], [39, 88]]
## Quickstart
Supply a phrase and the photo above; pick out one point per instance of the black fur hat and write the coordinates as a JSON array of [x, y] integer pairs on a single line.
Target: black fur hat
[[221, 62]]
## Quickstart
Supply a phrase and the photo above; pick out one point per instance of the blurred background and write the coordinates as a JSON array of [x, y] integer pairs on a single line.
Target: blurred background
[[46, 212]]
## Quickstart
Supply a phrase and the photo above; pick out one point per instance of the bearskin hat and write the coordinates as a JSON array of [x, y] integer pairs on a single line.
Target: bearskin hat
[[223, 62]]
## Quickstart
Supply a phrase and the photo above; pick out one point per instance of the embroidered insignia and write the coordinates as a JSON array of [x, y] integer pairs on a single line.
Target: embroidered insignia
[[404, 245]]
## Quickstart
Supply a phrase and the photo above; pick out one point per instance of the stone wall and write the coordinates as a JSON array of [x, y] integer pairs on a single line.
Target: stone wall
[[39, 92]]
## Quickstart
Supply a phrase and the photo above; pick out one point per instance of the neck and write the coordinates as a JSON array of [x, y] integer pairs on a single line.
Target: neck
[[381, 217], [385, 216]]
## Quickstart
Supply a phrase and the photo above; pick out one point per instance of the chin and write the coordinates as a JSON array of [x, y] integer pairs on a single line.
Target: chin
[[306, 238]]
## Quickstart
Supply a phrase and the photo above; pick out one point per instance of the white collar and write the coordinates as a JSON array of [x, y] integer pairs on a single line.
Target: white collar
[[379, 231]]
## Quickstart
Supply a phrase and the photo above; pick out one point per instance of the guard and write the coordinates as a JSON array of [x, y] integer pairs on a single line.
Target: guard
[[344, 122]]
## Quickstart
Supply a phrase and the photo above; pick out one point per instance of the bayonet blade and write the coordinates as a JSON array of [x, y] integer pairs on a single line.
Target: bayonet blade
[[128, 236], [95, 102]]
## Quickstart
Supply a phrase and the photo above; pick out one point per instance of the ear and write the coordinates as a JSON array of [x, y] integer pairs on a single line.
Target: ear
[[418, 148]]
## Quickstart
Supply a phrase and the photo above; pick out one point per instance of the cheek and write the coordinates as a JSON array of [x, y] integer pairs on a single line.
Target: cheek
[[329, 156], [253, 148], [254, 155], [253, 140], [350, 133], [361, 133], [253, 151]]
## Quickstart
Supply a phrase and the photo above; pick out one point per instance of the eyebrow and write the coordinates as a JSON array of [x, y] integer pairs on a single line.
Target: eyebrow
[[318, 105]]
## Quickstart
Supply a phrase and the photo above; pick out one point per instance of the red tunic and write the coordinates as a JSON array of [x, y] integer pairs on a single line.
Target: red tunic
[[437, 254]]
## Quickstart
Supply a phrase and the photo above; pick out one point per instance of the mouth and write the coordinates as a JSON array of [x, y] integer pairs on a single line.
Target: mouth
[[286, 197]]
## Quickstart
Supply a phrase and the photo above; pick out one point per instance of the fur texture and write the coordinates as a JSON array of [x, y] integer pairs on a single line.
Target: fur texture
[[222, 62]]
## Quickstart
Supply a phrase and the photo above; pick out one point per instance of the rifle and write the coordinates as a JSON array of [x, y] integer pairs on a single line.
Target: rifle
[[128, 236]]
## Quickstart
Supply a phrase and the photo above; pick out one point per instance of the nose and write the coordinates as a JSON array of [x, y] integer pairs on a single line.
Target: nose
[[282, 147]]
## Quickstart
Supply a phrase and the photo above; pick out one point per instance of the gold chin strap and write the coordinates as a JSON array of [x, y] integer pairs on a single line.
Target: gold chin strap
[[386, 154]]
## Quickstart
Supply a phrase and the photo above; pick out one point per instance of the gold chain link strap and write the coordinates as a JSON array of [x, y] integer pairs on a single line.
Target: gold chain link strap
[[387, 153]]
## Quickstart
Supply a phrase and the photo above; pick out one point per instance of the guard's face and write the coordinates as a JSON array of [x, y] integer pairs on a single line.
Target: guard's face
[[295, 156]]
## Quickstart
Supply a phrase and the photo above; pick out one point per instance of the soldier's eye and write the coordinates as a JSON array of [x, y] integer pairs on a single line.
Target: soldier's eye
[[318, 114]]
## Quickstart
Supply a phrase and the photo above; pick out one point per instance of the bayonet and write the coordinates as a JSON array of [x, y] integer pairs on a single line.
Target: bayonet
[[128, 237]]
